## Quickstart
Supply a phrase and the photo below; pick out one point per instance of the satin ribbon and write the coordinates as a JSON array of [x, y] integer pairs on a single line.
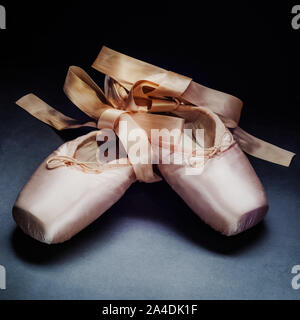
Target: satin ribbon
[[88, 97], [133, 89], [128, 71]]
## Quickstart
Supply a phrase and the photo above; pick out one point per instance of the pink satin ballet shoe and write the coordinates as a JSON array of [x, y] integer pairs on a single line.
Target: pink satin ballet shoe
[[69, 191], [227, 194]]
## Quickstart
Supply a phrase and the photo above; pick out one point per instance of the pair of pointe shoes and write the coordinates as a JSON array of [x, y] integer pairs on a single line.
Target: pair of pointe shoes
[[56, 204]]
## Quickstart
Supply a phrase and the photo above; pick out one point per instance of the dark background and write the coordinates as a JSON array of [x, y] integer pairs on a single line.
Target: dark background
[[150, 244]]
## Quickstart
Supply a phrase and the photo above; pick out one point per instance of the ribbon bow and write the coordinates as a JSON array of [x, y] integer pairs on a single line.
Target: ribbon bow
[[132, 90]]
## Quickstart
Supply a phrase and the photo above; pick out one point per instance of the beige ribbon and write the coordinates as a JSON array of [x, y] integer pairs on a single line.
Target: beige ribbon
[[88, 97], [133, 89], [128, 71]]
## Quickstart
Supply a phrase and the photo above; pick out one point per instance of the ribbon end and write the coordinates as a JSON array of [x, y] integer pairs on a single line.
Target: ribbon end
[[288, 159], [24, 100]]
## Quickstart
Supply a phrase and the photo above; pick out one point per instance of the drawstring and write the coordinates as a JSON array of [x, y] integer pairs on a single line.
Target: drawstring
[[59, 161], [210, 152]]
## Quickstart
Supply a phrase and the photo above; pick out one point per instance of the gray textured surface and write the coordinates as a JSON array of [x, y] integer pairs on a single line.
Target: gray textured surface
[[149, 245]]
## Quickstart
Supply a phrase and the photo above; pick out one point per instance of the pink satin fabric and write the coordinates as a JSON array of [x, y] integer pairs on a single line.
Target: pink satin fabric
[[227, 195], [56, 204]]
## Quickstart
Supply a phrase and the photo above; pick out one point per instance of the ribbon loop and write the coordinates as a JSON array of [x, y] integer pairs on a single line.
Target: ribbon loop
[[109, 118]]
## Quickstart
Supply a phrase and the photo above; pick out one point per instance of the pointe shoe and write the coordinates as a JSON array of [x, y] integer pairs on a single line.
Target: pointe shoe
[[66, 194], [227, 194]]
